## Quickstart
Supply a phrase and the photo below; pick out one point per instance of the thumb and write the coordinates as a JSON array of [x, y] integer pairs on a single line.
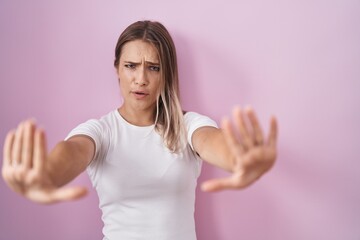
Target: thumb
[[217, 184], [68, 194]]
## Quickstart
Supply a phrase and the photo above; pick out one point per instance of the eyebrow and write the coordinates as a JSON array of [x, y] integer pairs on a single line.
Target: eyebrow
[[138, 63]]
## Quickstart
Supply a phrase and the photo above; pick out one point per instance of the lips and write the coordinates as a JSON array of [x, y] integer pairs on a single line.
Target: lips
[[140, 94]]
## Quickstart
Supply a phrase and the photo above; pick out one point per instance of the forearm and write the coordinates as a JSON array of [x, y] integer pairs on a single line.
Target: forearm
[[66, 161], [212, 148]]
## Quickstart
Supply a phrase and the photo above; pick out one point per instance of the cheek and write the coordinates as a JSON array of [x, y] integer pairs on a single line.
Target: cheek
[[124, 85], [156, 86], [124, 78]]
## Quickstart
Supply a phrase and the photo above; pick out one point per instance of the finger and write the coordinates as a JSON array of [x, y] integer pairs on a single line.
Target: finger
[[220, 184], [242, 127], [273, 132], [258, 134], [28, 144], [39, 150], [17, 147], [9, 141], [68, 194], [235, 147]]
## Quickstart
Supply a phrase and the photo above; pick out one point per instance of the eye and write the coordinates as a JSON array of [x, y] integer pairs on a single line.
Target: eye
[[130, 65], [154, 68]]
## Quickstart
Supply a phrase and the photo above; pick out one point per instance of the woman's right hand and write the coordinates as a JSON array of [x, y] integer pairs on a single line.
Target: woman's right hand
[[25, 167]]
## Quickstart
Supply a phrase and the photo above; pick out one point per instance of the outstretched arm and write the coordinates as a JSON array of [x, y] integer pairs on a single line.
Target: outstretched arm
[[29, 170], [244, 152]]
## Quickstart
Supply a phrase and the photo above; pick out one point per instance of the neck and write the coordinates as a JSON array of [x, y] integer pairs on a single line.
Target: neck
[[137, 117]]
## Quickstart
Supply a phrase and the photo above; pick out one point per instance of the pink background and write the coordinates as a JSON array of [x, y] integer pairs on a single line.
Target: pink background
[[299, 60]]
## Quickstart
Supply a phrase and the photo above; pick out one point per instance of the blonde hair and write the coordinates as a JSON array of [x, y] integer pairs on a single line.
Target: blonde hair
[[169, 120]]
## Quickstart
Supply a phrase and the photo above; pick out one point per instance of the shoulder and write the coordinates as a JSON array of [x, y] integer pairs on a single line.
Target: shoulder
[[94, 127], [194, 119], [106, 121]]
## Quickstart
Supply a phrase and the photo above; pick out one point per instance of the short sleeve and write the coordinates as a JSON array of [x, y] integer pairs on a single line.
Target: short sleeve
[[194, 121], [98, 133]]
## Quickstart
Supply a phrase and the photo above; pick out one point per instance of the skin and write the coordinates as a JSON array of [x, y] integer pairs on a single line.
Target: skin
[[239, 147], [139, 78]]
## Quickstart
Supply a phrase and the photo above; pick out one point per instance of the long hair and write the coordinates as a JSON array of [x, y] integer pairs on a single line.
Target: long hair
[[169, 120]]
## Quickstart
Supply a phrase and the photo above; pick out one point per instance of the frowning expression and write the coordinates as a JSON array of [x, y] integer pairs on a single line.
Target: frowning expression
[[139, 75]]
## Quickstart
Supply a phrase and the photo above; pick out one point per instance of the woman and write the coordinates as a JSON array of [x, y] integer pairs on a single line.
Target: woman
[[144, 157]]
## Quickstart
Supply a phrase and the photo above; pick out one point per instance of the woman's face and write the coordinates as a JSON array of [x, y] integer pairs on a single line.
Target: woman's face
[[139, 75]]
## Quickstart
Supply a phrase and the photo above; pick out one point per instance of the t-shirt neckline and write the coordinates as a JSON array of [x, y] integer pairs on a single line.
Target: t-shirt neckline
[[122, 119]]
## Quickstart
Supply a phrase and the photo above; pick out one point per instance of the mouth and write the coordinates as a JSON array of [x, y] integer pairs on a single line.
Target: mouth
[[140, 94]]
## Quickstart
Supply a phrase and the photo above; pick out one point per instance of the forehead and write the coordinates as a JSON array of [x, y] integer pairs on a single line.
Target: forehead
[[139, 50]]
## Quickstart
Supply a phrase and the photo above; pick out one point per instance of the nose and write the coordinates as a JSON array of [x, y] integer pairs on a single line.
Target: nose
[[141, 78]]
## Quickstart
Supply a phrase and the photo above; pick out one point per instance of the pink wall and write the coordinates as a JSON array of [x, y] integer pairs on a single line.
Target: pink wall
[[297, 59]]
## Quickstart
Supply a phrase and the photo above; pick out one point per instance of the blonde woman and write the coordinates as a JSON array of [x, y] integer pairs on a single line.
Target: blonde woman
[[143, 158]]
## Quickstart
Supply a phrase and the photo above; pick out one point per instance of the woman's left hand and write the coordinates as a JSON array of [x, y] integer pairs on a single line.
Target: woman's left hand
[[250, 153]]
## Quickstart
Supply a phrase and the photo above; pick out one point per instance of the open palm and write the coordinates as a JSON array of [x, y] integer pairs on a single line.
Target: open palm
[[251, 154], [25, 167]]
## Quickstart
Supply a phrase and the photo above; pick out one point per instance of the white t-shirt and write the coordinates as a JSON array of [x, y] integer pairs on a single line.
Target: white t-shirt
[[145, 191]]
